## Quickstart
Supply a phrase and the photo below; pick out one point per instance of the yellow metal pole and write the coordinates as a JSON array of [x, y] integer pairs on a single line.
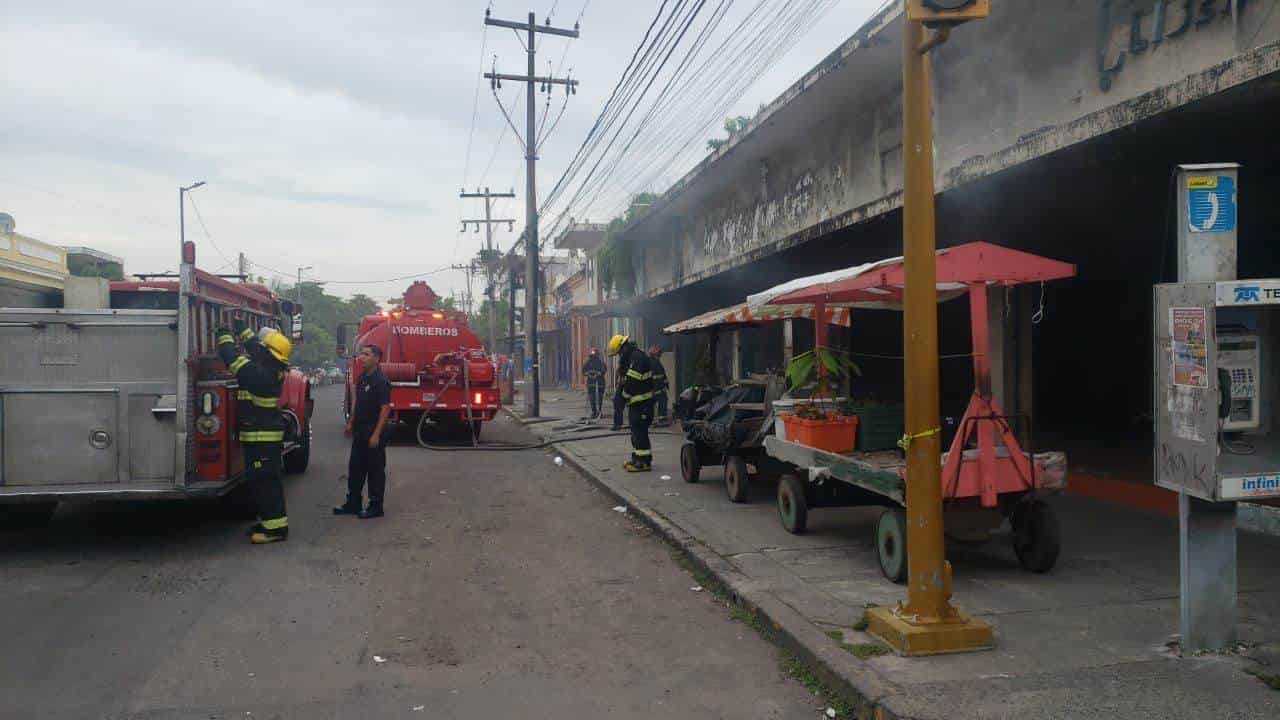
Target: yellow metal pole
[[927, 623], [925, 597]]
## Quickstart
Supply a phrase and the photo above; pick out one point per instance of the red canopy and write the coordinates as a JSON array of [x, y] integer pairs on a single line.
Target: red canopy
[[971, 263]]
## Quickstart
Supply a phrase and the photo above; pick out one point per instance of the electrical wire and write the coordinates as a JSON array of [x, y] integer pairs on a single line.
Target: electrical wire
[[191, 197]]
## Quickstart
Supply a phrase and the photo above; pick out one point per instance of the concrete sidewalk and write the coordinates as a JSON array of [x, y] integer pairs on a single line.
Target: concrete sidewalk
[[1090, 639]]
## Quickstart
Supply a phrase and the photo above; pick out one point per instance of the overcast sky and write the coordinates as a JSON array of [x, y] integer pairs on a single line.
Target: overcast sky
[[330, 134]]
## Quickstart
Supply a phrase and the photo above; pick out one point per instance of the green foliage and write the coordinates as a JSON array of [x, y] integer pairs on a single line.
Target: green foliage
[[82, 267], [837, 364], [615, 257], [321, 314], [479, 321], [732, 126]]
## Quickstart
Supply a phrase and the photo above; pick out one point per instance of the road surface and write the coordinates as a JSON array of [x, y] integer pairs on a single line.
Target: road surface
[[497, 586]]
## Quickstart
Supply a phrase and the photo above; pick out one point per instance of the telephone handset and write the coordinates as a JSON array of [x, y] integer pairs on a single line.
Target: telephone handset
[[1224, 393]]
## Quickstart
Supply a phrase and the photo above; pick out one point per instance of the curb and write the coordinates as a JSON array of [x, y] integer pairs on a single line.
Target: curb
[[847, 676]]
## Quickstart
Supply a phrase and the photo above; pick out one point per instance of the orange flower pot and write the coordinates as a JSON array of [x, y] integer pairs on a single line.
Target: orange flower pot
[[837, 434]]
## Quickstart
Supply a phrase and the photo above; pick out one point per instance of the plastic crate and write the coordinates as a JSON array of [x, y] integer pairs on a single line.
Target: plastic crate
[[880, 427]]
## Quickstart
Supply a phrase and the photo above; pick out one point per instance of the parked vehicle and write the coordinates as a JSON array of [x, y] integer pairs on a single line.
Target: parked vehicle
[[131, 401], [438, 369]]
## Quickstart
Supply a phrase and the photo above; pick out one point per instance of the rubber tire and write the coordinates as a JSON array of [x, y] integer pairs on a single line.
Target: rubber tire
[[793, 505], [297, 460], [690, 465], [26, 516], [736, 479], [1037, 536], [891, 544]]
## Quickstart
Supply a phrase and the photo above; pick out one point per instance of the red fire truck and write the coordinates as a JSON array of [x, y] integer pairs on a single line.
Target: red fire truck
[[130, 400], [438, 369]]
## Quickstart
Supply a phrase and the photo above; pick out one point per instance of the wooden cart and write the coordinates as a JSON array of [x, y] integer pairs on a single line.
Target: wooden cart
[[986, 475]]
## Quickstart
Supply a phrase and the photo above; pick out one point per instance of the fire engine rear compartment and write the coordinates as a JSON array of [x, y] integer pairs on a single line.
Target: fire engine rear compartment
[[88, 402]]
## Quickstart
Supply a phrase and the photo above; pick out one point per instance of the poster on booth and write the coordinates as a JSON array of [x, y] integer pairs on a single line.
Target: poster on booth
[[1190, 359]]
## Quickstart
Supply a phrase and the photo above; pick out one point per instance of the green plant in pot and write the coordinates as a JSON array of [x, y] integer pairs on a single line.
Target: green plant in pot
[[805, 367]]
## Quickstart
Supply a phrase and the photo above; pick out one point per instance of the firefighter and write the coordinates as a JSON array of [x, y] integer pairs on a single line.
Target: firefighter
[[594, 371], [637, 391], [660, 385], [260, 373]]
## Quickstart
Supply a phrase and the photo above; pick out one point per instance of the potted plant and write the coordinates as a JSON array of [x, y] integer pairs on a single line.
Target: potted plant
[[817, 423]]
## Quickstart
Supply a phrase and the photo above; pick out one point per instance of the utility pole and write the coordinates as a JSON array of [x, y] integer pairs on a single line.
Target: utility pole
[[297, 317], [927, 623], [489, 260], [531, 294], [243, 268]]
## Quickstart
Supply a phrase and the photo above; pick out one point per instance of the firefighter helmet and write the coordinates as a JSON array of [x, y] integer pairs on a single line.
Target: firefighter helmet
[[616, 342], [278, 345]]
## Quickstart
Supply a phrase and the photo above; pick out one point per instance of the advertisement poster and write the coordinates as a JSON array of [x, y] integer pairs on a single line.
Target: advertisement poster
[[1190, 361]]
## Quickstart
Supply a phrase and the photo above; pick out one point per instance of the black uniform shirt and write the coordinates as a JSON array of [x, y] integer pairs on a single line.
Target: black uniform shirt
[[373, 390]]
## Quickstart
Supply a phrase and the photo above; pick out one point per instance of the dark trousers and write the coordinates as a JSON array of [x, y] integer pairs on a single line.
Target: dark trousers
[[619, 405], [262, 471], [366, 463], [595, 396], [640, 415]]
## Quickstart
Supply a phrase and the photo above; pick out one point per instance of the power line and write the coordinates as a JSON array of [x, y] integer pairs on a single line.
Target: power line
[[192, 199]]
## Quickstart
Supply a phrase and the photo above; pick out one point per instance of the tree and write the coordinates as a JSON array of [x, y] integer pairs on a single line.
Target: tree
[[479, 321], [732, 126]]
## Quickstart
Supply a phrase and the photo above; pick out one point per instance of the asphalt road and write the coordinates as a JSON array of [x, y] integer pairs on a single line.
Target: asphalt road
[[497, 586]]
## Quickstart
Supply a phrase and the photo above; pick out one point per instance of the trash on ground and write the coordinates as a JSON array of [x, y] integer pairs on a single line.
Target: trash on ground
[[831, 712], [620, 508], [665, 477], [696, 588], [444, 492], [671, 494], [379, 659], [419, 708], [559, 460]]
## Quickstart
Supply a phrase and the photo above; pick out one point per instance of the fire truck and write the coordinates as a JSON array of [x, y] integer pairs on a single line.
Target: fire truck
[[130, 401], [438, 369]]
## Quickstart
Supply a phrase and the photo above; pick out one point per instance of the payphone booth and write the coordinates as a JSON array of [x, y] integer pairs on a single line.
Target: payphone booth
[[1216, 427], [1217, 433]]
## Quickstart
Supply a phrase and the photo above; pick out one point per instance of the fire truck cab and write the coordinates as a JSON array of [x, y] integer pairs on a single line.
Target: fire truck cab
[[131, 401]]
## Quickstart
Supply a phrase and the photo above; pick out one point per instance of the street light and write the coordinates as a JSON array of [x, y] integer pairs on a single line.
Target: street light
[[182, 215], [297, 317]]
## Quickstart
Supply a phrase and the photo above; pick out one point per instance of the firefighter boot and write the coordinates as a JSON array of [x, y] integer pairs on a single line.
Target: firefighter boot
[[265, 536], [633, 466]]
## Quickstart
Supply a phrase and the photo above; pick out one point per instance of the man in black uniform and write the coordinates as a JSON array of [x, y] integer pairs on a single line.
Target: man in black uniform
[[260, 374], [660, 385], [594, 370], [637, 391], [365, 428]]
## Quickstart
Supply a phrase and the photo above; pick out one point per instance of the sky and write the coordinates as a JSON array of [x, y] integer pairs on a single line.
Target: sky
[[330, 135]]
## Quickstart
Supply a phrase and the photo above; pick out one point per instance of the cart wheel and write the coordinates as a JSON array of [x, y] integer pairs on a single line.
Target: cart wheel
[[891, 544], [690, 468], [1037, 537], [736, 478], [793, 506]]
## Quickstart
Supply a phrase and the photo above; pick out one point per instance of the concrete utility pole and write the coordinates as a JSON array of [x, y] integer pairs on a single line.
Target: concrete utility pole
[[531, 294], [927, 624], [489, 260], [243, 268], [297, 318]]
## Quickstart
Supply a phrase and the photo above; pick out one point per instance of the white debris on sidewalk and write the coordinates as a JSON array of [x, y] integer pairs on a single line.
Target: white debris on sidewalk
[[665, 477], [379, 659], [559, 460], [831, 712], [620, 508], [696, 588]]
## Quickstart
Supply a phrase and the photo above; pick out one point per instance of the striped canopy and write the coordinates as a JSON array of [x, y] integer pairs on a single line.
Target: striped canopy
[[742, 314]]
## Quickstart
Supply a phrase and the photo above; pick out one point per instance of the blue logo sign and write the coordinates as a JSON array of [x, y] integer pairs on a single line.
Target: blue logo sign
[[1247, 293], [1262, 483], [1211, 203]]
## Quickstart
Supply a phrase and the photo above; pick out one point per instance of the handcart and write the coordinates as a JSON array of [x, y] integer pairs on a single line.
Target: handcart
[[986, 475], [728, 426]]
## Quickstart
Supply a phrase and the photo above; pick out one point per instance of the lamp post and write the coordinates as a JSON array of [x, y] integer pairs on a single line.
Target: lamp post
[[182, 214], [297, 317], [927, 623]]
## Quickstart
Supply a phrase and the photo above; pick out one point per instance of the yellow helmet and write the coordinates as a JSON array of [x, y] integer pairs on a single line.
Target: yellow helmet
[[278, 345], [616, 342]]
